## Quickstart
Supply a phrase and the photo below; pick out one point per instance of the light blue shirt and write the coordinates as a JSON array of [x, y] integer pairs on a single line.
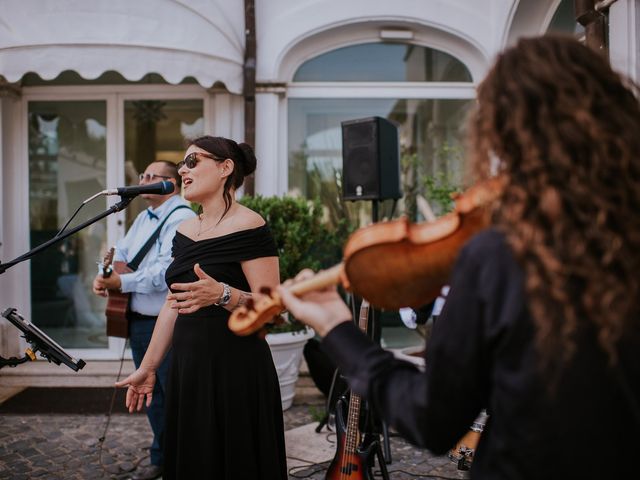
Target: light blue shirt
[[147, 284]]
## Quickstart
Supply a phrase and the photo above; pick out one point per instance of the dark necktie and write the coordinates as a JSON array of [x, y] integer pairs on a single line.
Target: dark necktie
[[151, 214]]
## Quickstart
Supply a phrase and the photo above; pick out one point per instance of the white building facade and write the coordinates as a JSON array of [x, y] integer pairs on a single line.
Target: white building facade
[[91, 92]]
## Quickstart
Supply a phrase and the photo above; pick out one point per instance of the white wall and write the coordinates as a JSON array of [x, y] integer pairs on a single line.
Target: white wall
[[624, 41], [15, 213], [468, 29], [529, 18]]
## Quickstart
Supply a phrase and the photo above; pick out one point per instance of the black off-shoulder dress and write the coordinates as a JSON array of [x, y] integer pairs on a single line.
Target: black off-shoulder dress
[[224, 414]]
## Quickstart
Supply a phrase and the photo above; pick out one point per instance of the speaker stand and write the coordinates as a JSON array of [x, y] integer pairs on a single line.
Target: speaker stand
[[335, 392], [374, 211], [375, 333]]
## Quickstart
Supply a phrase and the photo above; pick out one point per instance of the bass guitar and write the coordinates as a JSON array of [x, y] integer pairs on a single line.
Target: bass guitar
[[352, 461], [118, 302]]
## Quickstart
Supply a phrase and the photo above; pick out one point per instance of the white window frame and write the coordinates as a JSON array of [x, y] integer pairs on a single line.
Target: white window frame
[[411, 90], [371, 90]]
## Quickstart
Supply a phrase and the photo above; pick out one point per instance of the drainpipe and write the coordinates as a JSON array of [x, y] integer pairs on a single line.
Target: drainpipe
[[249, 84], [592, 15]]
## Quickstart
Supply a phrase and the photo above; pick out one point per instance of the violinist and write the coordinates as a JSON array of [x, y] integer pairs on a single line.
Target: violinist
[[541, 323]]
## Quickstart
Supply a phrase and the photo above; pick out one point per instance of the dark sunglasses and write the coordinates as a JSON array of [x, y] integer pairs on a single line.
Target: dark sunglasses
[[191, 160]]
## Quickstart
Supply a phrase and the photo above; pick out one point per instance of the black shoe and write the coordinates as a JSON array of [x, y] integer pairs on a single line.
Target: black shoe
[[147, 473]]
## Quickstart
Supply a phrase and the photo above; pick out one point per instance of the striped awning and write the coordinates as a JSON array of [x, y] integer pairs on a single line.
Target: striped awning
[[173, 38]]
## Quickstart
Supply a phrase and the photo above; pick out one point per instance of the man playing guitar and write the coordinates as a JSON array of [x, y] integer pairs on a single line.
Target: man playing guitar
[[146, 285]]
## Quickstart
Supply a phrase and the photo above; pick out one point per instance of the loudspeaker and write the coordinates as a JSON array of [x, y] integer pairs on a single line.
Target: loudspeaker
[[370, 159]]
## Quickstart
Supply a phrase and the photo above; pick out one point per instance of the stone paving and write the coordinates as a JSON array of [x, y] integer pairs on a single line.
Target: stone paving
[[67, 447]]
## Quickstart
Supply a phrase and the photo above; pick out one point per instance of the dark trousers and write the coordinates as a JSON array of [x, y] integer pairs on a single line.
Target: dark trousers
[[140, 330]]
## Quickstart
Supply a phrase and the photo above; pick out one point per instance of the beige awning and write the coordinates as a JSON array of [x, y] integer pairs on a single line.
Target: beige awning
[[174, 38]]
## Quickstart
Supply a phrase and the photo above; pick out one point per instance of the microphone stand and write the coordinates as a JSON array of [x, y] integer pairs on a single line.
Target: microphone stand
[[121, 205], [47, 347], [13, 361]]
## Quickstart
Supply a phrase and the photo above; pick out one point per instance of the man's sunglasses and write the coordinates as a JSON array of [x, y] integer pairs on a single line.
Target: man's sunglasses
[[150, 177], [191, 160]]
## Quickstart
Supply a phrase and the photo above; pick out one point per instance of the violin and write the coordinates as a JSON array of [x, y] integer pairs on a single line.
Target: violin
[[392, 264]]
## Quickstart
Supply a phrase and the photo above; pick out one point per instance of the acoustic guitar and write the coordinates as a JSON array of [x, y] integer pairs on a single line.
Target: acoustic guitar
[[118, 302], [353, 459]]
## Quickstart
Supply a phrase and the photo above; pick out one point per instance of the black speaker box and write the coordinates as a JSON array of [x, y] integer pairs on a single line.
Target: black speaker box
[[370, 159]]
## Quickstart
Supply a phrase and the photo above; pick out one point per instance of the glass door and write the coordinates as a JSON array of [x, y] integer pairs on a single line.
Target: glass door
[[67, 155]]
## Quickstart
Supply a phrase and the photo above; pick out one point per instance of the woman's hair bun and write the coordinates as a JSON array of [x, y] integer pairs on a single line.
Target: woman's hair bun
[[250, 161]]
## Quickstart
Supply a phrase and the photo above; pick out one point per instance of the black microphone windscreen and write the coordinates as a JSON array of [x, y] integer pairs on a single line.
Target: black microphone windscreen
[[167, 187]]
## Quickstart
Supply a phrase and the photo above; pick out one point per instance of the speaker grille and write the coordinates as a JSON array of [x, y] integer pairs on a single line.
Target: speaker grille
[[370, 159]]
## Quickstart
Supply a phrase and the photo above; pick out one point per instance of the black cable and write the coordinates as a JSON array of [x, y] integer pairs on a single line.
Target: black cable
[[69, 221], [78, 209], [106, 427], [378, 473], [294, 474]]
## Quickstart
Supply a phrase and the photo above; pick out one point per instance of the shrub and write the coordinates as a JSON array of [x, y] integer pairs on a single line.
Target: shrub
[[302, 238]]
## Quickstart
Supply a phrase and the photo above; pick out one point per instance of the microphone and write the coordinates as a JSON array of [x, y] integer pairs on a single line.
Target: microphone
[[41, 342], [161, 188]]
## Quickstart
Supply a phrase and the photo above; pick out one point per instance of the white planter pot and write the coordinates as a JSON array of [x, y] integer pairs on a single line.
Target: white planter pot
[[286, 350]]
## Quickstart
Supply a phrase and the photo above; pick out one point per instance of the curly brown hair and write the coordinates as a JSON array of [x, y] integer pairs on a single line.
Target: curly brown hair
[[564, 130]]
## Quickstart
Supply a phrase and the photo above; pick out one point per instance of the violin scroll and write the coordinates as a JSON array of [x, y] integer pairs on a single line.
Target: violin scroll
[[248, 319]]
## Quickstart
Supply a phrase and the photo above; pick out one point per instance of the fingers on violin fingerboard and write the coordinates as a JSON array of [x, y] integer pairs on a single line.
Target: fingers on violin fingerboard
[[265, 290]]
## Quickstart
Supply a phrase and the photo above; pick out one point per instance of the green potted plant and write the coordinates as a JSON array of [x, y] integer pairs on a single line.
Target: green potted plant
[[303, 241]]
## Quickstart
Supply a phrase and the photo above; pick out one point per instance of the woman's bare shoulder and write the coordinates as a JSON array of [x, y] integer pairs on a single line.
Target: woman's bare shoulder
[[247, 218], [188, 226]]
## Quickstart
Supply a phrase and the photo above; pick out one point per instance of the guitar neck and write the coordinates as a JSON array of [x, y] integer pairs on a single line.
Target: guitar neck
[[363, 318], [352, 436], [107, 263]]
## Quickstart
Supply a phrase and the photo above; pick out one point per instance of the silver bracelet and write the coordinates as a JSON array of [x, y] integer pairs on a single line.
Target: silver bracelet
[[225, 298]]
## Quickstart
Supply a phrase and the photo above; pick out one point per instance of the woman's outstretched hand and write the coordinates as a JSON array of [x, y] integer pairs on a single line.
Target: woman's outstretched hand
[[196, 295], [322, 310], [140, 385]]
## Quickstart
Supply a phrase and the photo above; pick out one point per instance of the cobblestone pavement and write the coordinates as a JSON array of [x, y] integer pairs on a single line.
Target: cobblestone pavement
[[67, 447]]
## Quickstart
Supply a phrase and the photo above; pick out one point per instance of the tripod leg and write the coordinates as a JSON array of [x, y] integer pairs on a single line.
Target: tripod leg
[[378, 426], [386, 442], [382, 462], [323, 422], [335, 391]]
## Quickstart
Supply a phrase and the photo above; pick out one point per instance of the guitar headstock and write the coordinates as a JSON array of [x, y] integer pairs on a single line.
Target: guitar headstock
[[363, 318], [107, 262], [247, 319]]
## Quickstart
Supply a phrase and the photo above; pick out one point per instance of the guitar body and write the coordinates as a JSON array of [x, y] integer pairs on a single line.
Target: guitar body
[[117, 304], [347, 464]]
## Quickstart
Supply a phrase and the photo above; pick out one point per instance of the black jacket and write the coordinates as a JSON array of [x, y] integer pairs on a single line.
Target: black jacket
[[482, 355]]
